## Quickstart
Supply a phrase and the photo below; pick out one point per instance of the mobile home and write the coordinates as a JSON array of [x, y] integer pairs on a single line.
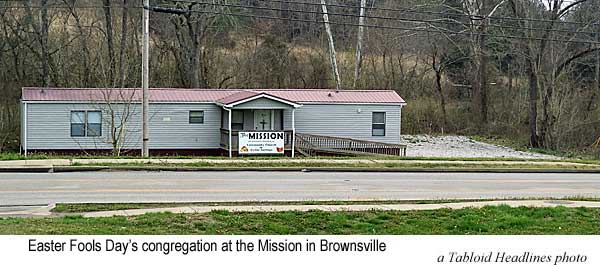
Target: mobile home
[[211, 121]]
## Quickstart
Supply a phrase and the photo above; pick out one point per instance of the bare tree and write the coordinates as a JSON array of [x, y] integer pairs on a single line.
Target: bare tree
[[359, 42], [332, 54], [118, 107], [108, 23], [123, 43], [546, 63], [479, 12]]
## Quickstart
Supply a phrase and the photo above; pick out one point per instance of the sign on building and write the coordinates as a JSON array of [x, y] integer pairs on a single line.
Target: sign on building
[[261, 142]]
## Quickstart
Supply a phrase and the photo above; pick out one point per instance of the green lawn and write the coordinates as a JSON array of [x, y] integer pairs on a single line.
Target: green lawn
[[333, 164], [91, 207], [476, 161], [17, 156], [488, 220], [70, 208]]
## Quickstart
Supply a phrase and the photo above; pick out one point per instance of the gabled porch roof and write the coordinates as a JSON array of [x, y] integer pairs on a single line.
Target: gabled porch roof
[[248, 96]]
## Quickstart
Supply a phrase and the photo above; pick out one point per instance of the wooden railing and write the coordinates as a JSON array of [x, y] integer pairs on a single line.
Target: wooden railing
[[310, 145], [235, 134]]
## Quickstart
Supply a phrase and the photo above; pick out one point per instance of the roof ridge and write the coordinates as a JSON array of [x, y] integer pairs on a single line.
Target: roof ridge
[[256, 90]]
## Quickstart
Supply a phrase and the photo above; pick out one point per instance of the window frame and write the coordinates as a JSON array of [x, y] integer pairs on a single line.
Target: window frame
[[84, 119], [373, 123], [85, 123], [190, 117]]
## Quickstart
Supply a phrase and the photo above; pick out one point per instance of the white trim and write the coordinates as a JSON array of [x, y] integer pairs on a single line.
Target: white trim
[[400, 126], [114, 102], [353, 103], [25, 128], [231, 105], [230, 139], [272, 119], [255, 108], [204, 102], [293, 131]]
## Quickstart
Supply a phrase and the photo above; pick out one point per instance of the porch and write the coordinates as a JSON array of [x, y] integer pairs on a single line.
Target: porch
[[270, 123], [261, 113]]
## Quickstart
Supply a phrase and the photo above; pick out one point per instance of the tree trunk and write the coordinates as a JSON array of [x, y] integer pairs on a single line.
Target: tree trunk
[[87, 72], [44, 28], [123, 44], [109, 42], [332, 55], [533, 98], [359, 43], [438, 85], [483, 80]]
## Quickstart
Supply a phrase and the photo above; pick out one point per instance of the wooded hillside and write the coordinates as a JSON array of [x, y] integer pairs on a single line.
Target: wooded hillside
[[527, 70]]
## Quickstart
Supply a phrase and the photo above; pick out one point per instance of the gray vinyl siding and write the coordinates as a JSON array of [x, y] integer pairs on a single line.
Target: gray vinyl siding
[[262, 103], [48, 127], [48, 124], [170, 127], [345, 121]]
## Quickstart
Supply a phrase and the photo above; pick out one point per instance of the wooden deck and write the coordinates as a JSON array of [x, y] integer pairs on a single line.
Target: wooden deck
[[311, 145]]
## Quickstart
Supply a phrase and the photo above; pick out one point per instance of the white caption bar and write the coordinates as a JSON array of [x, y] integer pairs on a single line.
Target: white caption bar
[[309, 251]]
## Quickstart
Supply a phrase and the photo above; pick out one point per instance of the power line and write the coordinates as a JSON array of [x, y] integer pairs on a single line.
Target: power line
[[429, 28], [381, 17], [318, 12], [387, 27], [66, 7], [431, 12]]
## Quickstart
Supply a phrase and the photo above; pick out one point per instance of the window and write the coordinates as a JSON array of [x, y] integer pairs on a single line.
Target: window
[[197, 116], [237, 120], [378, 124], [94, 123], [77, 123], [86, 123]]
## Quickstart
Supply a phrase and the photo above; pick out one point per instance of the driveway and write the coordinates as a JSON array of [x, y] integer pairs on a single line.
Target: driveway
[[451, 146]]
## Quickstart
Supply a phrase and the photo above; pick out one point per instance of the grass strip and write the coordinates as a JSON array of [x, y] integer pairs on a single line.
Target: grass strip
[[486, 220], [374, 165], [16, 156], [92, 207]]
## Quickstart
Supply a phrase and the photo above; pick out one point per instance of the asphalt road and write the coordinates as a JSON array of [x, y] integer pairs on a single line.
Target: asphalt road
[[45, 188]]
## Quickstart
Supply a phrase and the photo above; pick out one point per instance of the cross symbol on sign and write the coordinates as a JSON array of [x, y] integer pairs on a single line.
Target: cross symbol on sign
[[263, 122]]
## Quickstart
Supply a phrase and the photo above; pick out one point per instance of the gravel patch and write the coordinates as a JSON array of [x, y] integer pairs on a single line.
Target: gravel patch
[[461, 147]]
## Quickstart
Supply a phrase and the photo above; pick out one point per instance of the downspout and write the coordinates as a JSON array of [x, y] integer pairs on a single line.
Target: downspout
[[293, 131], [229, 126], [400, 126], [25, 128]]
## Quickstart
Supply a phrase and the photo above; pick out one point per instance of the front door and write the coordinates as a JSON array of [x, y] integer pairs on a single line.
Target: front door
[[262, 120]]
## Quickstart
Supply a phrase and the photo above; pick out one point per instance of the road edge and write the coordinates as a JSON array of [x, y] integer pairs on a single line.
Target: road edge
[[59, 169]]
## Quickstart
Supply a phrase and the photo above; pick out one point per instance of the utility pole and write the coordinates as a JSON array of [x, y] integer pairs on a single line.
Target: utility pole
[[145, 55], [332, 55]]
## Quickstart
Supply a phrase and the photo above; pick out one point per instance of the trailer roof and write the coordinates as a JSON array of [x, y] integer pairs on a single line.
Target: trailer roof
[[224, 96]]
